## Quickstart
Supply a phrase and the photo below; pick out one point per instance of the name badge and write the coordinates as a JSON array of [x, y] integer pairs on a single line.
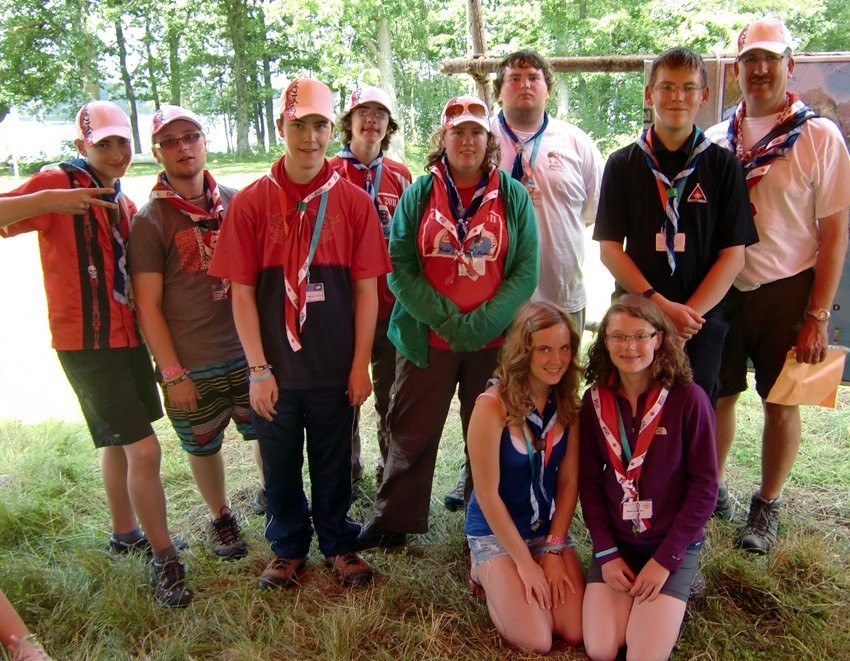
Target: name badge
[[472, 268], [637, 509], [678, 242], [535, 194], [315, 292]]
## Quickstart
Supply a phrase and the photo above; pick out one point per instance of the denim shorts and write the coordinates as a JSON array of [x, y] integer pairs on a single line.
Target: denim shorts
[[487, 547]]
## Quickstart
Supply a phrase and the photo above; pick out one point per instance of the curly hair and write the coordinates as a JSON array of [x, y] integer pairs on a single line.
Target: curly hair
[[669, 366], [515, 359], [492, 154], [344, 122]]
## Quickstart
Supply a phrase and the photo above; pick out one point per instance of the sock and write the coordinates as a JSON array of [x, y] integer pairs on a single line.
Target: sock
[[164, 555], [129, 538]]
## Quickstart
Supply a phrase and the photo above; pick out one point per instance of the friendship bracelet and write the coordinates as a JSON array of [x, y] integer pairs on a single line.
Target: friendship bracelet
[[179, 379], [170, 372], [554, 539], [554, 551], [262, 377], [259, 368]]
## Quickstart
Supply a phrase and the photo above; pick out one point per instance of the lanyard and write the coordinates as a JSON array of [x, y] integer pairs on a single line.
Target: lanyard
[[519, 168], [301, 207]]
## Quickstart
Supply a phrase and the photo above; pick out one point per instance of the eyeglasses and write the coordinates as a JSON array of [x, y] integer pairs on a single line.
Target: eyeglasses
[[171, 143], [688, 89], [458, 108], [377, 113], [638, 338], [751, 59]]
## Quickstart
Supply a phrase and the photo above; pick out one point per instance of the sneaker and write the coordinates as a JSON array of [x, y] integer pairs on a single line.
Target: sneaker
[[117, 547], [27, 649], [227, 541], [453, 500], [351, 568], [260, 502], [370, 537], [725, 507], [762, 529], [169, 584], [282, 572]]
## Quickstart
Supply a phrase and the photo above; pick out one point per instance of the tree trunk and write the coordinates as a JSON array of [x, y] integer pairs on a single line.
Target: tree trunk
[[385, 66], [128, 85], [475, 25], [175, 68], [87, 60], [151, 73], [268, 90], [237, 30]]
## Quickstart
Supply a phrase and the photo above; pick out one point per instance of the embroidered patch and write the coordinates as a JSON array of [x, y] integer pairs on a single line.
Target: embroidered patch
[[697, 195]]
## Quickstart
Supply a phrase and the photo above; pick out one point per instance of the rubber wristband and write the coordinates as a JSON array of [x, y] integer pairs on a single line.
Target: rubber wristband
[[259, 368], [262, 377]]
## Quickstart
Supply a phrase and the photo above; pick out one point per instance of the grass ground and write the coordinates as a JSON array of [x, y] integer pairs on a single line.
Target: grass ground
[[87, 605]]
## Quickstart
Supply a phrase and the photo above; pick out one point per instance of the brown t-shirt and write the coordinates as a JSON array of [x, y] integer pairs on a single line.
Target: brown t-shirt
[[196, 306]]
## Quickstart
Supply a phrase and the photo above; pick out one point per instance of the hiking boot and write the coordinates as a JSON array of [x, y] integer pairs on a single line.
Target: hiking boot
[[762, 529], [169, 584], [453, 500], [370, 537], [117, 547], [227, 541], [351, 568], [725, 507], [260, 502], [282, 572]]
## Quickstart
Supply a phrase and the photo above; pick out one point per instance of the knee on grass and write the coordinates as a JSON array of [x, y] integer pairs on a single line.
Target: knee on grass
[[531, 637]]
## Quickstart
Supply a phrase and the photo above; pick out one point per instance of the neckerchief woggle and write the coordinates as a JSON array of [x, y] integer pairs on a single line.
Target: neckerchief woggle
[[669, 192], [605, 406], [457, 227], [541, 427], [778, 141], [518, 169], [299, 254], [370, 186], [121, 284]]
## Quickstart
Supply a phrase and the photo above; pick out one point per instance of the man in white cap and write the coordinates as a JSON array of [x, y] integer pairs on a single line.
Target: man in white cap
[[798, 175], [94, 332], [303, 250], [367, 126], [186, 315]]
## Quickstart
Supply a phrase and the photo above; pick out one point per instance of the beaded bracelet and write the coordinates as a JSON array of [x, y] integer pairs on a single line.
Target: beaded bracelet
[[262, 377], [179, 379], [259, 368], [170, 372]]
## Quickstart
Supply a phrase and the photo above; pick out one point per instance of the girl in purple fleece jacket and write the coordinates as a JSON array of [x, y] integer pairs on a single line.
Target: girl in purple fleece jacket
[[648, 482]]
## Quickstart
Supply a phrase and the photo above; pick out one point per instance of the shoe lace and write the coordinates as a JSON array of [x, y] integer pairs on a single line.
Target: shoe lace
[[762, 518], [226, 528], [170, 573]]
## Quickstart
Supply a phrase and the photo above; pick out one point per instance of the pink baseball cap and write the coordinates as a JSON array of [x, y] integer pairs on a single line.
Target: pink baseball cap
[[368, 94], [97, 120], [166, 114], [307, 96], [461, 109], [765, 34]]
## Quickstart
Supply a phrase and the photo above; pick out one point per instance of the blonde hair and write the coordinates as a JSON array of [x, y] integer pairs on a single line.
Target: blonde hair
[[515, 358]]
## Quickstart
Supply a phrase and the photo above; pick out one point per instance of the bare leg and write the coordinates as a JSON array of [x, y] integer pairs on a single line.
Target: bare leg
[[208, 471], [11, 623], [725, 413], [145, 488], [605, 616], [113, 467], [258, 459], [654, 628], [567, 617], [523, 625], [780, 443]]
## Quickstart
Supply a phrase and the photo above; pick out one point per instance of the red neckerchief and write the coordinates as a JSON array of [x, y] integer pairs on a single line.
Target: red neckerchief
[[298, 224], [475, 221], [605, 405]]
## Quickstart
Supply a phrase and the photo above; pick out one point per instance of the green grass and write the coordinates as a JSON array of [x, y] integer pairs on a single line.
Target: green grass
[[87, 605]]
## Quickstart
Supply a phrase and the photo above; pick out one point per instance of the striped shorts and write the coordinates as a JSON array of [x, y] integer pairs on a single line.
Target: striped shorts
[[223, 390]]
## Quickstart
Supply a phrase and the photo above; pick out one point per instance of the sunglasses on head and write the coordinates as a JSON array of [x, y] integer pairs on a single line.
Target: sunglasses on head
[[474, 108]]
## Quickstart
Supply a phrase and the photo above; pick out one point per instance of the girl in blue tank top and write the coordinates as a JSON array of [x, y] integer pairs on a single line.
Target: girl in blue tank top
[[523, 450]]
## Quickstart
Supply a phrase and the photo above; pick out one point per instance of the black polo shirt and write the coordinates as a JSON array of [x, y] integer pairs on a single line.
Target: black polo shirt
[[714, 213]]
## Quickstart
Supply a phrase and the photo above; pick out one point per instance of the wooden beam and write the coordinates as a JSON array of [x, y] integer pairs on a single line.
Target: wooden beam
[[481, 66]]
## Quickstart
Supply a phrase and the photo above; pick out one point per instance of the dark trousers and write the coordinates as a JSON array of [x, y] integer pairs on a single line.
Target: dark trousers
[[327, 418], [383, 377], [420, 404]]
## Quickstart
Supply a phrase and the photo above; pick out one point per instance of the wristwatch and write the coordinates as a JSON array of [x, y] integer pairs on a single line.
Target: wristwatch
[[818, 314]]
